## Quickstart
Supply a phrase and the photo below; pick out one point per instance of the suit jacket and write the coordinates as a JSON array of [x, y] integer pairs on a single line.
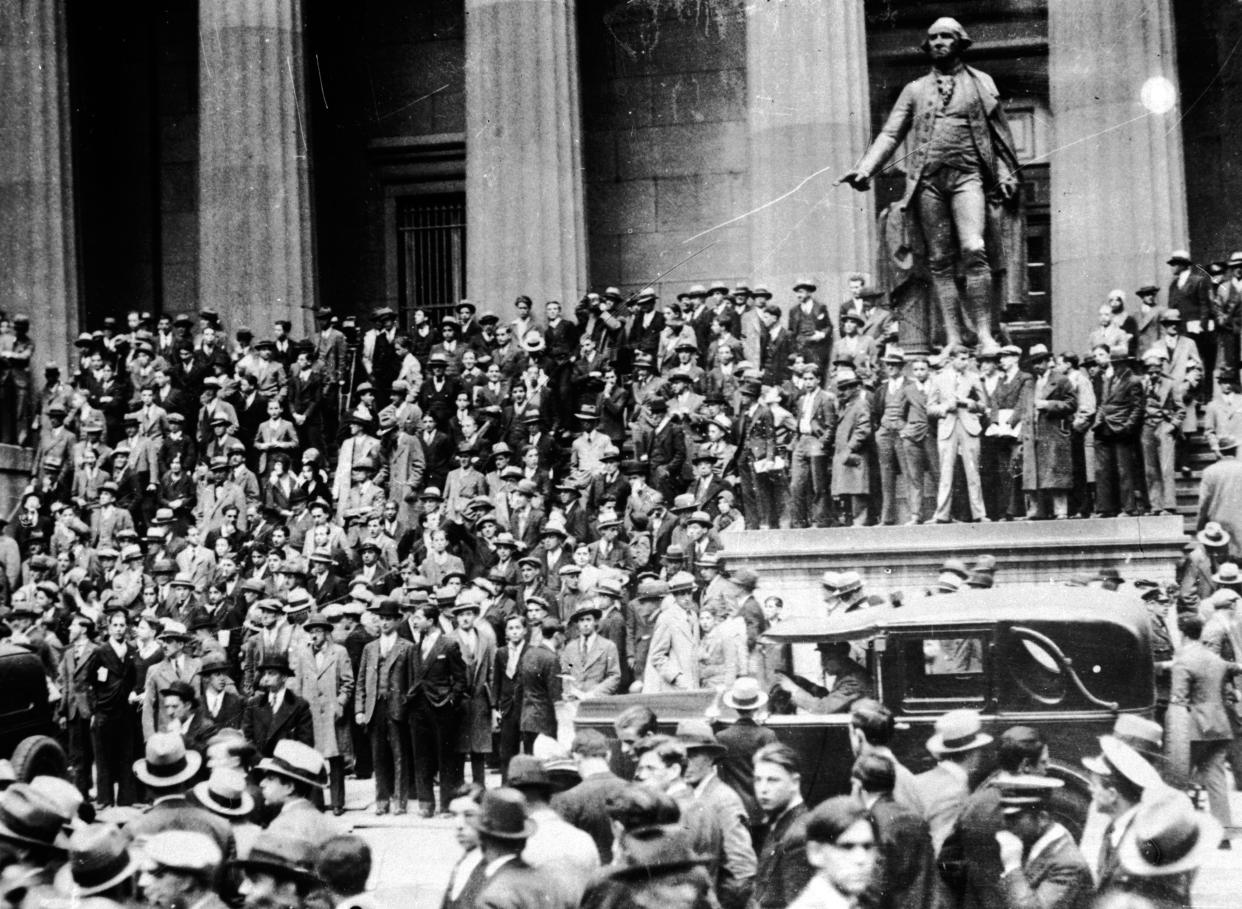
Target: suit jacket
[[783, 871], [539, 684], [394, 670], [440, 677], [264, 729], [942, 793], [802, 325], [230, 713], [596, 672], [970, 859], [111, 687], [75, 683], [823, 418], [905, 873], [1057, 878], [1119, 412], [586, 807], [1198, 682], [757, 434], [159, 677], [957, 398], [1194, 301], [516, 885]]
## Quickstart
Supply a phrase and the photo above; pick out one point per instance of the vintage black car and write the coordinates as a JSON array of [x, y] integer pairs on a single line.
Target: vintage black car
[[1066, 660], [27, 730]]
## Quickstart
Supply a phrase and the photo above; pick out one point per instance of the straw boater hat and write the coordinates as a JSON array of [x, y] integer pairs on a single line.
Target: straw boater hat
[[1117, 759], [224, 793], [298, 762], [1168, 837], [746, 694], [958, 731], [167, 763]]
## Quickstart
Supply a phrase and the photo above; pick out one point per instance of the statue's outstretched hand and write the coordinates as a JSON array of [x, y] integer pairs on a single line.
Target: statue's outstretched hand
[[856, 179]]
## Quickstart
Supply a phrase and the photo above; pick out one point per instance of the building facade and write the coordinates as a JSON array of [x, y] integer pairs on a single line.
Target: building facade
[[261, 157]]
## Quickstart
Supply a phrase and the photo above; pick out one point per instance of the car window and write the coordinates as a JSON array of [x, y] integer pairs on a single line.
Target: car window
[[1035, 671], [940, 672]]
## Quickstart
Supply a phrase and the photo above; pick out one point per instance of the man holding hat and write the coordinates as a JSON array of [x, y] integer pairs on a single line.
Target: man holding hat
[[1042, 865], [590, 660], [1220, 493], [275, 712], [1118, 421]]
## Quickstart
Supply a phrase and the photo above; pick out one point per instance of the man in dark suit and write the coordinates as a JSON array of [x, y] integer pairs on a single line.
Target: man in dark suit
[[1054, 877], [437, 686], [810, 325], [324, 584], [815, 415], [1006, 389], [905, 871], [586, 804], [756, 448], [221, 704], [503, 828], [783, 871], [74, 709], [1190, 292], [662, 446], [507, 690], [113, 678], [539, 678], [276, 713], [742, 740], [379, 707], [1118, 421]]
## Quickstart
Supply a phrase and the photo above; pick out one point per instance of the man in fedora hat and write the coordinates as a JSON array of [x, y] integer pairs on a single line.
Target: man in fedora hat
[[810, 324], [1220, 493], [1117, 426], [477, 645], [1055, 875], [436, 689], [958, 747], [101, 864], [567, 854], [290, 780], [379, 706], [504, 826], [181, 868], [275, 712], [169, 771], [1169, 842], [961, 180], [734, 861], [325, 680], [1047, 412], [1179, 349], [756, 454], [279, 870], [177, 666], [1191, 293], [849, 681], [1163, 412]]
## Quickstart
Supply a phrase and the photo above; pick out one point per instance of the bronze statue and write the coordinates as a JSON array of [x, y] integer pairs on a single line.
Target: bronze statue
[[961, 206]]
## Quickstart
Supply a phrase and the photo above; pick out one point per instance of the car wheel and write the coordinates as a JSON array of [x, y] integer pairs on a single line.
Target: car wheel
[[39, 755]]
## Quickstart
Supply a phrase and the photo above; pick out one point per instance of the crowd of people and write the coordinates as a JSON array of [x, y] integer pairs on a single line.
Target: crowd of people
[[251, 568]]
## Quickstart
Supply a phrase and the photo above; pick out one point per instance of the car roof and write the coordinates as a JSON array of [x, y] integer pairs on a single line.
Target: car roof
[[1008, 604]]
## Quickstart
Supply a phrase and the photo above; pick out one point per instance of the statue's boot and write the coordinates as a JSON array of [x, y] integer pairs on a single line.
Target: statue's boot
[[979, 306], [945, 288]]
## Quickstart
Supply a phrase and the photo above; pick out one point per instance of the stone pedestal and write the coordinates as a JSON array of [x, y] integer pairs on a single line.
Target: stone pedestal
[[1118, 178], [38, 257], [809, 110], [256, 242], [525, 231]]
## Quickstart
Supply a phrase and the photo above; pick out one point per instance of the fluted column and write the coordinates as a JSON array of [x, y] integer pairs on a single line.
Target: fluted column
[[38, 253], [1118, 177], [525, 230], [256, 243], [809, 111]]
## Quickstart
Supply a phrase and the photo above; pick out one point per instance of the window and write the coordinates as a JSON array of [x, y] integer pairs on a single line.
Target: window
[[1038, 267], [940, 672], [1035, 670], [431, 253]]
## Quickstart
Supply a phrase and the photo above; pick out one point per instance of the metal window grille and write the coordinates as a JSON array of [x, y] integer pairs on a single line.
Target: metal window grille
[[431, 244]]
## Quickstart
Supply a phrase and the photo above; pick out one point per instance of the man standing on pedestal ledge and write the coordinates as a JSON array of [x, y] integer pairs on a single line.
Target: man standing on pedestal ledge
[[961, 178]]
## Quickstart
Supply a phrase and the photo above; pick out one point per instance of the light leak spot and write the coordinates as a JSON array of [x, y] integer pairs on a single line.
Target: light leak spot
[[1158, 95]]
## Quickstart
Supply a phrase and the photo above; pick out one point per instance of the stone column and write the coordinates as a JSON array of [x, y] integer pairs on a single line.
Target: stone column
[[38, 253], [1118, 177], [256, 242], [525, 230], [809, 110]]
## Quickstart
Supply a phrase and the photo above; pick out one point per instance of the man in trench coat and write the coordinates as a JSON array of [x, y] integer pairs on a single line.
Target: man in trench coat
[[325, 680]]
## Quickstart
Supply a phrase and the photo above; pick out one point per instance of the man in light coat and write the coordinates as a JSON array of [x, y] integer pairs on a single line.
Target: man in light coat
[[177, 666], [672, 659], [325, 680], [957, 745], [957, 398]]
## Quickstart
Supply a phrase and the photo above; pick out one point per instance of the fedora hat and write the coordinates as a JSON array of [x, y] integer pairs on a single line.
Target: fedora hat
[[1143, 735], [746, 694], [284, 856], [1117, 759], [167, 763], [958, 731], [277, 662], [29, 816], [681, 582], [1171, 315], [215, 661], [528, 770], [174, 630], [804, 282], [99, 858], [1168, 837], [1179, 257], [1213, 535], [1023, 791], [296, 761], [387, 609], [585, 610], [502, 813], [1227, 574], [317, 620], [655, 850], [697, 735], [1227, 442], [1038, 354]]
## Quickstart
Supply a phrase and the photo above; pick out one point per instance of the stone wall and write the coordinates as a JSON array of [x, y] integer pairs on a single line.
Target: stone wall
[[666, 142], [15, 466]]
